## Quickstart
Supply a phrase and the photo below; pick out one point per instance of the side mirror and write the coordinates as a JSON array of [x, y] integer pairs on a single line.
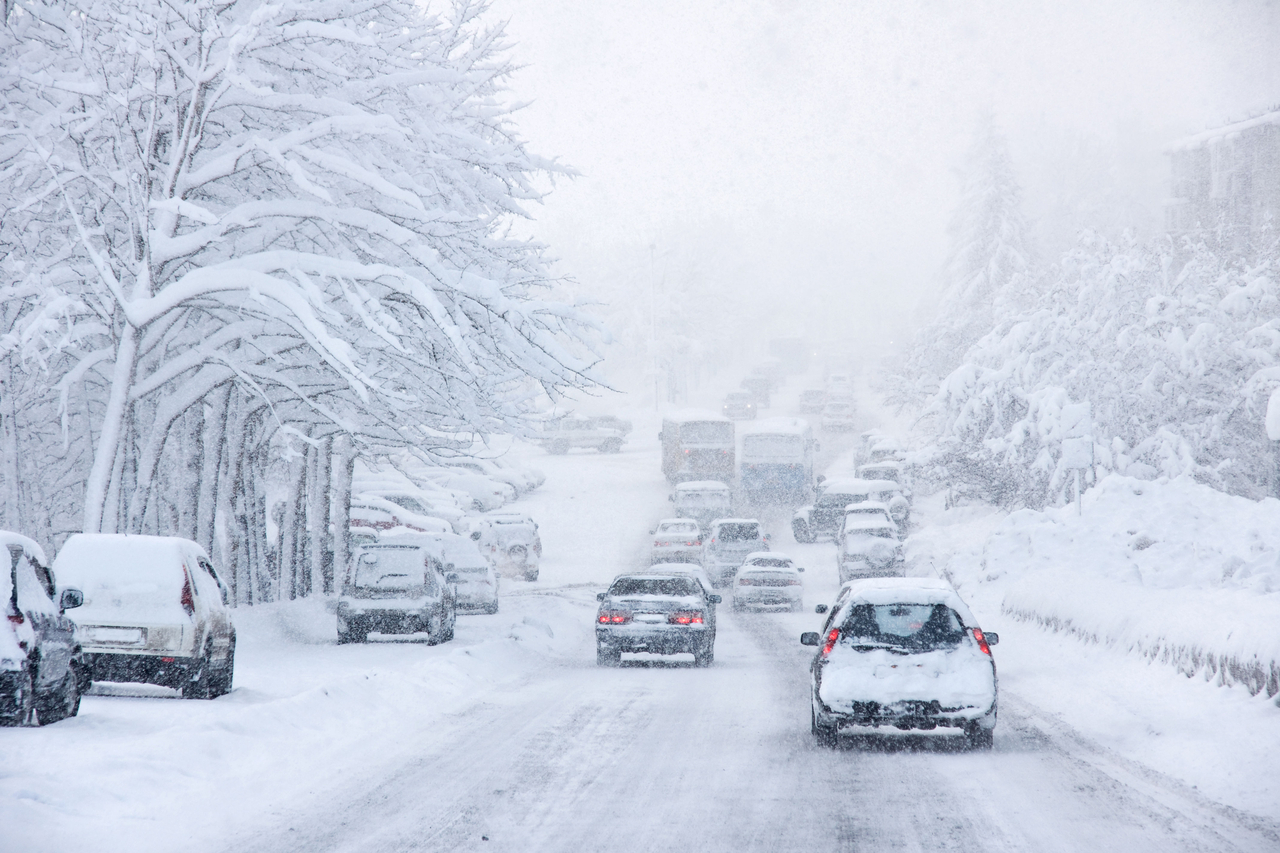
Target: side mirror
[[601, 596], [451, 577], [991, 637], [799, 568], [475, 535], [714, 599], [810, 638], [70, 599], [821, 608]]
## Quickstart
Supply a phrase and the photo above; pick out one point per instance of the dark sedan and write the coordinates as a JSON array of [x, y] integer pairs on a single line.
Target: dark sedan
[[660, 612]]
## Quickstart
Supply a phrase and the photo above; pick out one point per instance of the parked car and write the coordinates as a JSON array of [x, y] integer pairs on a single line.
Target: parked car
[[727, 543], [869, 548], [866, 509], [703, 501], [477, 580], [758, 387], [42, 669], [561, 435], [510, 541], [155, 611], [676, 540], [887, 469], [903, 653], [825, 515], [384, 513], [739, 405], [812, 400], [487, 494], [839, 415], [521, 481], [768, 579], [660, 612], [397, 586]]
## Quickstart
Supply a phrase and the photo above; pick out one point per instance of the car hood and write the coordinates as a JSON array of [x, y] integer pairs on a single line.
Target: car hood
[[958, 679]]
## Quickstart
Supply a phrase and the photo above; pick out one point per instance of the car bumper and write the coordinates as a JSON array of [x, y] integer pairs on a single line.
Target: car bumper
[[768, 596], [857, 569], [385, 621], [658, 639], [676, 555], [140, 668], [919, 715]]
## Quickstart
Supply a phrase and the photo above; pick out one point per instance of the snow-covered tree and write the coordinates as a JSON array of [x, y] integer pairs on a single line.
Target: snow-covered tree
[[229, 221]]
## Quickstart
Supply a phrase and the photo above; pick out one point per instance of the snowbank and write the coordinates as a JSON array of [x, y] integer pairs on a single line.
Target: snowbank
[[1172, 570]]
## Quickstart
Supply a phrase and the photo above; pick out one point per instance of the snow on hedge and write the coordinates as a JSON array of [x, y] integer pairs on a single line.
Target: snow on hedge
[[1169, 569]]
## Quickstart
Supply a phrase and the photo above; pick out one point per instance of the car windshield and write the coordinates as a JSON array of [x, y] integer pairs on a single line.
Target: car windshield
[[391, 568], [678, 528], [706, 432], [739, 532], [692, 498], [654, 586], [773, 445], [921, 627]]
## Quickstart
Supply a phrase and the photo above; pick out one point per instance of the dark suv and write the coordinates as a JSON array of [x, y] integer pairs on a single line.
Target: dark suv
[[665, 613], [42, 671]]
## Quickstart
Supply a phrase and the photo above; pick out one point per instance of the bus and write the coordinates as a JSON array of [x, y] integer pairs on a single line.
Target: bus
[[775, 465], [697, 446]]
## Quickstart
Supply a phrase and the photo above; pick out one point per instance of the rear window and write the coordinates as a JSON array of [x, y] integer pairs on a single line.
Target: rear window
[[838, 499], [399, 569], [773, 445], [654, 586], [739, 532], [678, 528], [771, 562], [920, 627]]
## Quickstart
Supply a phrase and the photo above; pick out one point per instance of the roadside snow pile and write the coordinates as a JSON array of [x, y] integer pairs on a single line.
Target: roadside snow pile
[[1170, 569]]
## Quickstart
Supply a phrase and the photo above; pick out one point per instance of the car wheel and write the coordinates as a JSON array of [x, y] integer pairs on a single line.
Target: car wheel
[[800, 531], [492, 608], [825, 735], [225, 674], [613, 445], [607, 655], [980, 738], [453, 625], [352, 635], [559, 448], [24, 705], [200, 686], [62, 703], [531, 576]]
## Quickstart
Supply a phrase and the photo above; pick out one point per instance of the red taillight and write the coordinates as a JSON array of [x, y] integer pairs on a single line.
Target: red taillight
[[982, 641], [188, 603], [691, 544], [794, 582], [745, 581], [832, 636], [658, 544], [685, 617], [166, 660], [17, 618], [613, 617]]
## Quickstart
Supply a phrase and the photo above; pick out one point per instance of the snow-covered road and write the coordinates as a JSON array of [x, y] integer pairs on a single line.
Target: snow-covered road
[[510, 738]]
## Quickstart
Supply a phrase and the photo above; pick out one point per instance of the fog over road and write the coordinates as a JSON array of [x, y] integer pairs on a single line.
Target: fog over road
[[660, 755]]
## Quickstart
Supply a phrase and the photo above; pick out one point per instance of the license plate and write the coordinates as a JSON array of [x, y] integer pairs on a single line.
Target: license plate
[[651, 617], [130, 636]]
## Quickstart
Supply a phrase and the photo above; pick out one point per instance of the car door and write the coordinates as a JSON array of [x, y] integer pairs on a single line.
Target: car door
[[212, 605], [54, 632]]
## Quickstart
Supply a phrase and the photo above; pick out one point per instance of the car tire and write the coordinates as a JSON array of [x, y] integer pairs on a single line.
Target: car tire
[[800, 531], [613, 445], [491, 608], [607, 655], [352, 635], [980, 739], [705, 656], [24, 712], [826, 736], [62, 703], [452, 629], [200, 687], [531, 576], [223, 676]]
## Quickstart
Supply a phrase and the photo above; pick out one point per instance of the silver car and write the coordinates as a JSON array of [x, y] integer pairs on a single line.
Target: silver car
[[660, 612], [902, 654], [397, 587], [676, 540]]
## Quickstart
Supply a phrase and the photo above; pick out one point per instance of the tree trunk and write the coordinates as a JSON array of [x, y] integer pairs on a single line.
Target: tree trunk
[[340, 512], [193, 470], [211, 465], [291, 526], [110, 449], [12, 499], [319, 499]]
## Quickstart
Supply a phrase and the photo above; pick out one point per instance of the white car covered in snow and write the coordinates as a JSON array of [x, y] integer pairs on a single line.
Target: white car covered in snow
[[768, 579], [510, 541], [676, 540], [869, 548], [904, 654], [839, 415]]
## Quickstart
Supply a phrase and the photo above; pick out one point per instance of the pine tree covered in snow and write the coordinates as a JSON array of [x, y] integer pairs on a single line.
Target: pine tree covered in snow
[[236, 229]]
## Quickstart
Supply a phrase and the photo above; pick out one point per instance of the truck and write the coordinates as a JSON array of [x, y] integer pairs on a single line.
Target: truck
[[697, 446], [775, 465]]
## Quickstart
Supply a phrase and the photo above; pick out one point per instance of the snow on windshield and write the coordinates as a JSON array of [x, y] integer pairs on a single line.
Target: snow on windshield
[[773, 445], [706, 432], [680, 587], [391, 568]]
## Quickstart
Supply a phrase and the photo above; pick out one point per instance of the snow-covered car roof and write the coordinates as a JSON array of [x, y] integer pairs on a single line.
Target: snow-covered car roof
[[720, 521], [886, 465], [907, 591], [771, 556], [403, 536], [702, 486], [867, 522], [690, 415], [8, 537], [778, 426], [866, 508], [681, 522]]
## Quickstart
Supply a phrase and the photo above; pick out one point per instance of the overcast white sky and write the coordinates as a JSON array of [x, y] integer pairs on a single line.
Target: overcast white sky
[[810, 149]]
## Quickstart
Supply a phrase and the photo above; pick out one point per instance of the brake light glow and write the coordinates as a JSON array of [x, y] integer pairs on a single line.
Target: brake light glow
[[188, 602], [793, 582], [745, 581], [685, 617], [832, 637], [691, 544], [17, 618], [613, 617], [982, 641]]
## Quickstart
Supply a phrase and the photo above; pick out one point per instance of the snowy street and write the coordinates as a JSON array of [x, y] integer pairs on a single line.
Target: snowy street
[[513, 734]]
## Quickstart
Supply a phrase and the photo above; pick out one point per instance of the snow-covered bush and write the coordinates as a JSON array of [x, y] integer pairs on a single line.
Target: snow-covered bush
[[235, 230]]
